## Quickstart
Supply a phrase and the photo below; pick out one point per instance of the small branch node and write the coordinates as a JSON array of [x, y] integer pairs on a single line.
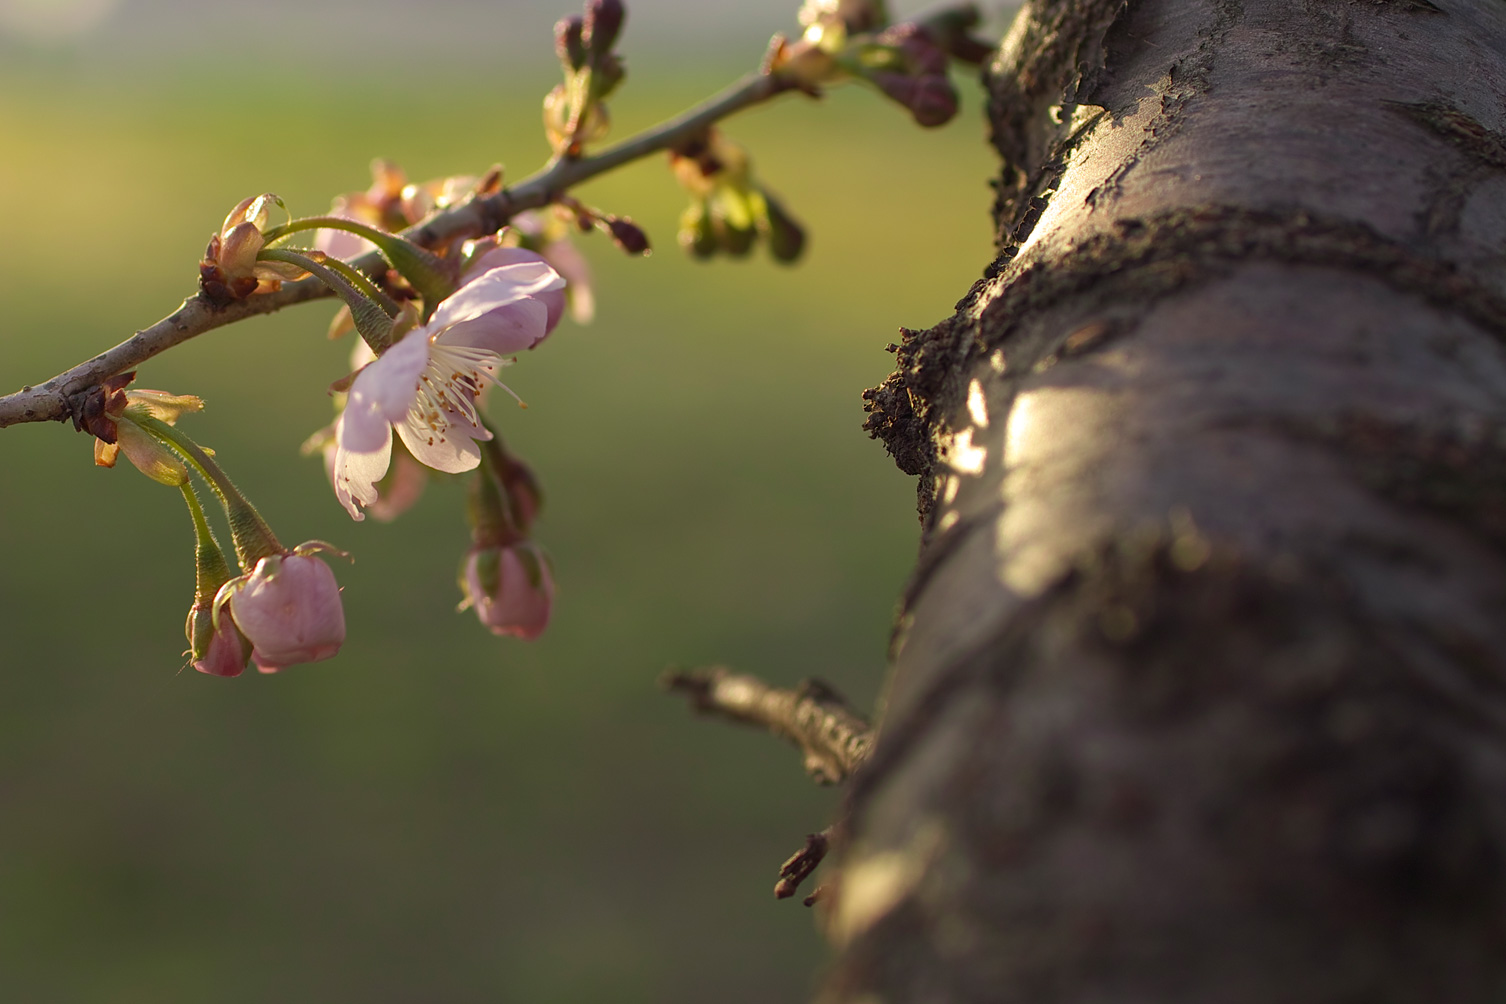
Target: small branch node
[[834, 739], [800, 865]]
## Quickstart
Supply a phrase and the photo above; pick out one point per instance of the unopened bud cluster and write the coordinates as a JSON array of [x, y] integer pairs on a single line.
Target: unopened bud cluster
[[574, 112], [907, 61], [729, 211]]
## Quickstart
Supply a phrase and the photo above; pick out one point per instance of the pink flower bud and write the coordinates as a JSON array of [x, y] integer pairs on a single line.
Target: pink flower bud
[[627, 235], [289, 608], [567, 42], [510, 588], [924, 56], [601, 25], [227, 649], [230, 270], [935, 101], [931, 100]]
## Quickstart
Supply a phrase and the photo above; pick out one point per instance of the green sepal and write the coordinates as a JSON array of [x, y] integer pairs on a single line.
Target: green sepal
[[211, 571], [737, 242], [532, 560], [487, 507], [872, 57], [489, 570], [148, 454], [423, 269], [371, 320], [695, 233], [733, 204]]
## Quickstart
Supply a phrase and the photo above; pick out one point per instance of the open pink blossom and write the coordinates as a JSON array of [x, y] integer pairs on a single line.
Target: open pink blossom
[[426, 385], [510, 588], [288, 607], [403, 484]]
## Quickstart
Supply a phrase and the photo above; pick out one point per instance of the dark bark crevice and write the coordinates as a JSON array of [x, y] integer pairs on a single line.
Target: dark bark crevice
[[1053, 55]]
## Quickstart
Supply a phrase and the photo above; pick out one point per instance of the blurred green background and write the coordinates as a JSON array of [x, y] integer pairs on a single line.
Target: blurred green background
[[437, 814]]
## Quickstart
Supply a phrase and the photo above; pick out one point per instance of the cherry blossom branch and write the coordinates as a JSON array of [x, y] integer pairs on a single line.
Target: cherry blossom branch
[[53, 400], [834, 739]]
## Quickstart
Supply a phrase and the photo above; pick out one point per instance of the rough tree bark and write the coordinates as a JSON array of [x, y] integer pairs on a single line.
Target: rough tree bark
[[1199, 687]]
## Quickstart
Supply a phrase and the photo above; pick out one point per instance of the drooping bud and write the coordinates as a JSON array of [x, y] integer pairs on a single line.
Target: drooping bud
[[627, 235], [695, 234], [736, 240], [922, 55], [226, 650], [510, 588], [567, 42], [288, 607], [935, 102], [785, 235], [931, 99], [733, 218], [602, 24], [215, 645]]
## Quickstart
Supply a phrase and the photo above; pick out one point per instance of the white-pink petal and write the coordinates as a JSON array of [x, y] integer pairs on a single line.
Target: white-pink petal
[[505, 330], [382, 393], [495, 288], [355, 474], [452, 452]]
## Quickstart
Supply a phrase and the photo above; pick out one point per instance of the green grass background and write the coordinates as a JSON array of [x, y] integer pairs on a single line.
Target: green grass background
[[437, 814]]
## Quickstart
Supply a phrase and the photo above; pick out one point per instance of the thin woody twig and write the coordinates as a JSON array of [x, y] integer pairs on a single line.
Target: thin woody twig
[[834, 739], [51, 401], [800, 865]]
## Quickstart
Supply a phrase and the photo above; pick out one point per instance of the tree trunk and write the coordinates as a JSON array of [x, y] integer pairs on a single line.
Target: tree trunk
[[1199, 686]]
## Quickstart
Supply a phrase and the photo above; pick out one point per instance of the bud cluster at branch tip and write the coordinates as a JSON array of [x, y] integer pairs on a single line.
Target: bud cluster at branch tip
[[729, 210], [574, 112], [231, 269], [907, 61]]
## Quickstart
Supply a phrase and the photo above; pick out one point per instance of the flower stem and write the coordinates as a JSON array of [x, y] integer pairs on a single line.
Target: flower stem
[[356, 227], [421, 268], [489, 508], [211, 571], [371, 318], [253, 538], [363, 282]]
